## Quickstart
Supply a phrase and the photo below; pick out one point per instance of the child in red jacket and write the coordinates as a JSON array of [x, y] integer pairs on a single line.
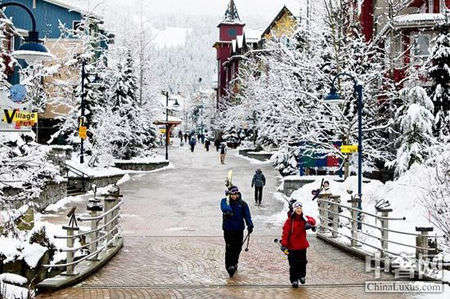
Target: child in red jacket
[[294, 240]]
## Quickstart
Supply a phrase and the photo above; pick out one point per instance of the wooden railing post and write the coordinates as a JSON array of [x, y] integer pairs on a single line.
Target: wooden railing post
[[384, 229], [111, 200], [324, 208], [422, 241], [335, 209], [94, 207], [70, 254], [354, 241]]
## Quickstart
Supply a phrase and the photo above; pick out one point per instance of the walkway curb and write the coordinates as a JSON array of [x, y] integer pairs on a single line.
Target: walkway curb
[[84, 269]]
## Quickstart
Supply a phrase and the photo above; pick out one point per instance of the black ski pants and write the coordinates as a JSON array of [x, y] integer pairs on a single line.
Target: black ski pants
[[258, 194], [233, 246], [192, 147], [297, 264]]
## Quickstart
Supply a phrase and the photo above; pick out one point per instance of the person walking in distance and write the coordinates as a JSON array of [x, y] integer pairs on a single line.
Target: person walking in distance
[[258, 181], [186, 137], [217, 144], [207, 144], [294, 241], [192, 143], [234, 212], [222, 152]]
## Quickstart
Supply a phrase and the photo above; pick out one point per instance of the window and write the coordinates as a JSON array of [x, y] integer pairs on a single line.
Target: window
[[421, 45]]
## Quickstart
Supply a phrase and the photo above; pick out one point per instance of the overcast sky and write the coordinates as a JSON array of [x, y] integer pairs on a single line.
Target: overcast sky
[[266, 8]]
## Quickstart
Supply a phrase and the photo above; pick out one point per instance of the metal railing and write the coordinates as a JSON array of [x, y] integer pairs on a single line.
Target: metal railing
[[84, 177], [331, 212], [104, 230]]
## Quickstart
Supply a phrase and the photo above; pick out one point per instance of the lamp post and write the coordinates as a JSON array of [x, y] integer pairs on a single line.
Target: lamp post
[[166, 94], [33, 49], [334, 97]]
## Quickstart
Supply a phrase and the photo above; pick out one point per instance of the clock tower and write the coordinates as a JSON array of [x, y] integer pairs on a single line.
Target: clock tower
[[229, 28]]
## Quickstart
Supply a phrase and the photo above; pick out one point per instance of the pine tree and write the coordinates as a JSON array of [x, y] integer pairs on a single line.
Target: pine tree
[[440, 90], [128, 111], [415, 120]]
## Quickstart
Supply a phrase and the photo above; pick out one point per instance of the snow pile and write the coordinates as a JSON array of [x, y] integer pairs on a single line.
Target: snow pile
[[10, 286], [19, 248], [410, 196]]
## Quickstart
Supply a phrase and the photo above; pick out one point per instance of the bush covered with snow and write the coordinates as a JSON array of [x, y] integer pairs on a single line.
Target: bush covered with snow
[[24, 169]]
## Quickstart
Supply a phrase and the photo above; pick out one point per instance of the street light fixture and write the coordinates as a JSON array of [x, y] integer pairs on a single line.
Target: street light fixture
[[32, 50], [334, 97]]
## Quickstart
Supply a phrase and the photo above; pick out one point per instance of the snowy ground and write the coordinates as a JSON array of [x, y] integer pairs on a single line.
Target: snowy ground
[[404, 196]]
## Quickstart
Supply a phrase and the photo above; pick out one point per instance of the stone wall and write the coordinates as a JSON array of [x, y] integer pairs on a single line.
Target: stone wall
[[51, 193], [141, 166], [98, 181]]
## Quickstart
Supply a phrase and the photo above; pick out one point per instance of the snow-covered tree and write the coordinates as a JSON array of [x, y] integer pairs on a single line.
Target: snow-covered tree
[[285, 86], [24, 169], [439, 72], [90, 51], [415, 121]]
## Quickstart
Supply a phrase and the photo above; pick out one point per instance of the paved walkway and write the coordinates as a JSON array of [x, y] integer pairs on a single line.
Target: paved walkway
[[174, 246]]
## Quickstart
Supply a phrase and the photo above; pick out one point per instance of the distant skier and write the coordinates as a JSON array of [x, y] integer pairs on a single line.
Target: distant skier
[[186, 137], [222, 152], [294, 240], [258, 181], [207, 144], [235, 211], [192, 143]]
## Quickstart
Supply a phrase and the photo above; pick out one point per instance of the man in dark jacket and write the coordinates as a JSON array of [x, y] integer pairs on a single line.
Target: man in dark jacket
[[235, 211], [192, 143], [258, 181], [207, 144]]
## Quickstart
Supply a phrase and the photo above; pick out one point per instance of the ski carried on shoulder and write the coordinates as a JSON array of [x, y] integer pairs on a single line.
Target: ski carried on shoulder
[[317, 192]]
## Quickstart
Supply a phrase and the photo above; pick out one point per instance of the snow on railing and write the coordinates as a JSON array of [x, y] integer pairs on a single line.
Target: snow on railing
[[104, 230], [330, 215]]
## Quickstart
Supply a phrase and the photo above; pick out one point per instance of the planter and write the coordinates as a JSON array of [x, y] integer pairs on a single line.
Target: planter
[[141, 166]]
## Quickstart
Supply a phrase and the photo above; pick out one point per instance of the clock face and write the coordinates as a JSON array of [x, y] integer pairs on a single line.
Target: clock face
[[232, 32]]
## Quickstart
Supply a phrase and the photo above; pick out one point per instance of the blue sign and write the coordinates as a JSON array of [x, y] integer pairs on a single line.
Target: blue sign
[[18, 93]]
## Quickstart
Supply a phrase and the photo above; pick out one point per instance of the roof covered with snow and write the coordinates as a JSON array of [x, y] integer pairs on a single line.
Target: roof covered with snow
[[419, 20], [253, 35]]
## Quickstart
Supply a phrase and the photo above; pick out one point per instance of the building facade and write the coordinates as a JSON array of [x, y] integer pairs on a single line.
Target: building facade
[[404, 28], [236, 42]]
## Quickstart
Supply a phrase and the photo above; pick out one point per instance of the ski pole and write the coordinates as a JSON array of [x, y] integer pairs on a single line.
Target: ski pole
[[248, 241], [245, 239]]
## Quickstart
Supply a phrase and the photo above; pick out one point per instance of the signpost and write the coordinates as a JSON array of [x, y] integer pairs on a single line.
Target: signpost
[[349, 149], [82, 132]]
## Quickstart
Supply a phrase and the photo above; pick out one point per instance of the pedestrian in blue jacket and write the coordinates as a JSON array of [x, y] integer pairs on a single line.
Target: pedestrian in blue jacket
[[258, 181], [235, 212]]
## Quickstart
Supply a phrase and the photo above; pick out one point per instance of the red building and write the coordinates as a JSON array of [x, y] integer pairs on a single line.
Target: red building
[[230, 27], [404, 28]]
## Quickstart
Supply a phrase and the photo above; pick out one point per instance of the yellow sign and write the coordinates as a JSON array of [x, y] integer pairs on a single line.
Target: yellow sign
[[83, 132], [162, 131], [21, 118], [348, 149]]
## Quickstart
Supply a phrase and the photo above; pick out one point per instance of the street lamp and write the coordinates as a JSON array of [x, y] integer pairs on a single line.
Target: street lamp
[[166, 94], [334, 97], [32, 50]]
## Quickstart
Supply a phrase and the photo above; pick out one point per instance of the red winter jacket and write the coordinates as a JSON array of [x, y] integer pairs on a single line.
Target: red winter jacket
[[294, 232]]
